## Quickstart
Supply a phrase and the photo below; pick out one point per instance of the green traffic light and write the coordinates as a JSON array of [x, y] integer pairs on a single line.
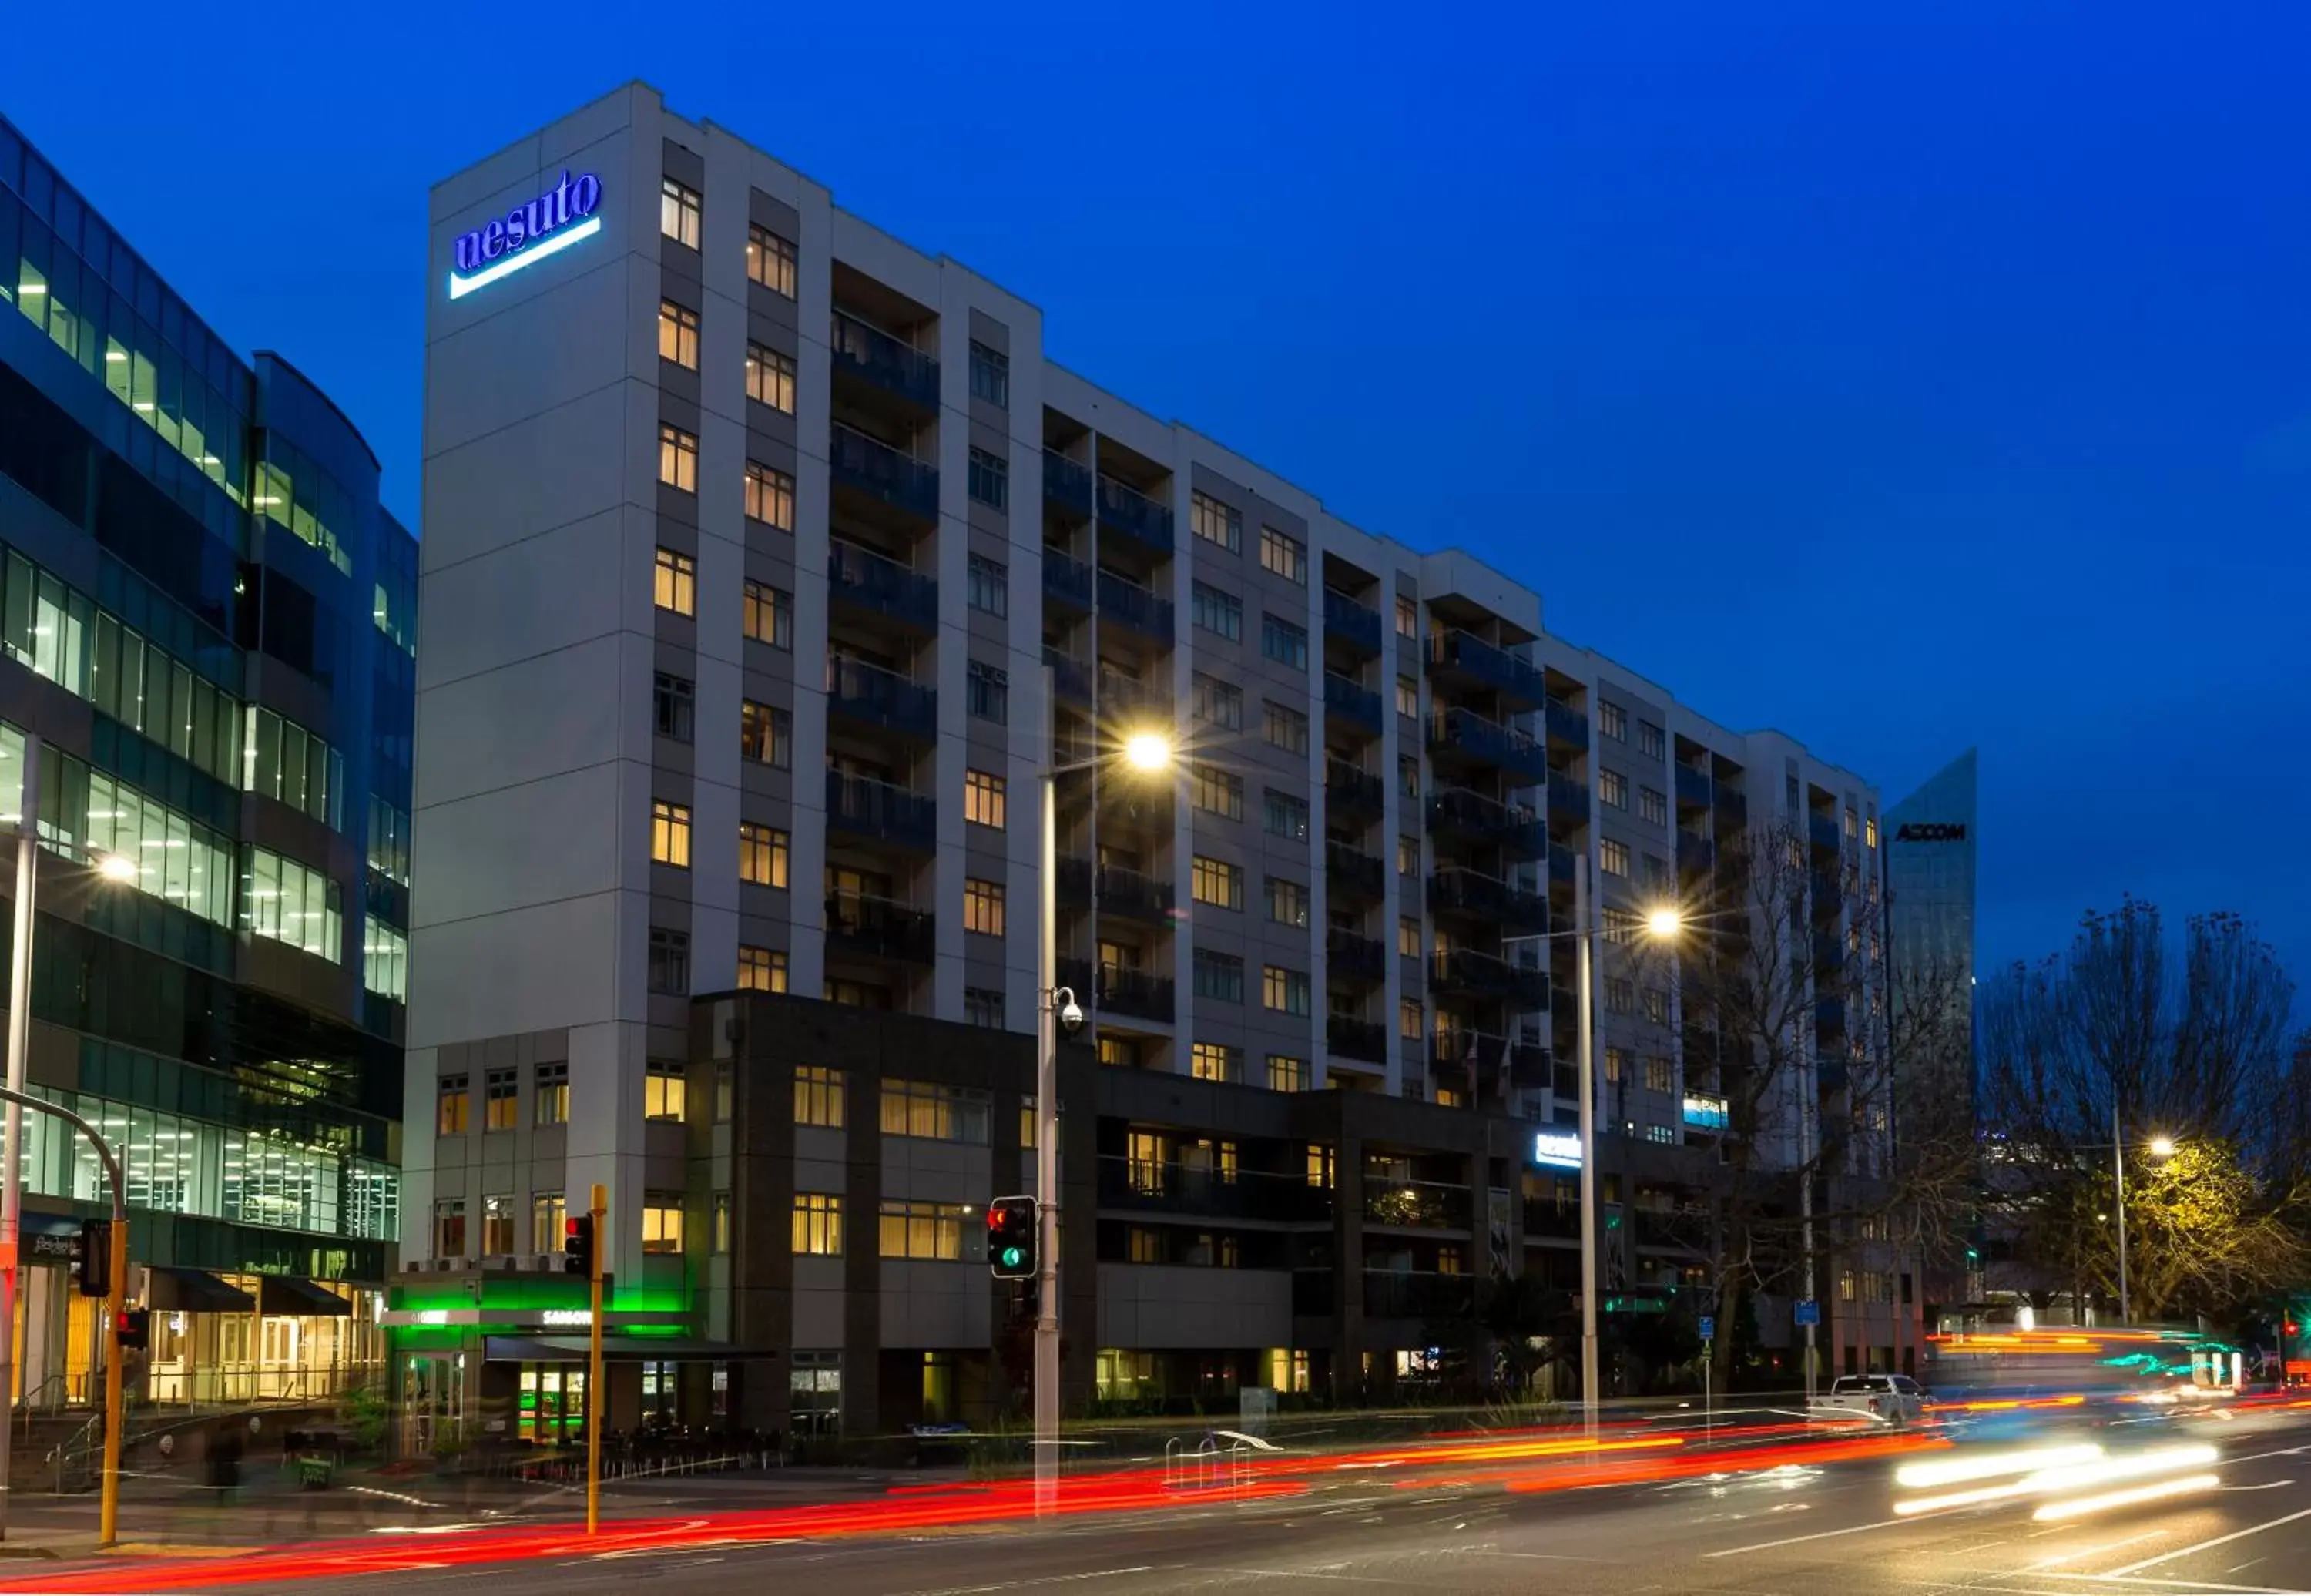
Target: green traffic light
[[1013, 1257]]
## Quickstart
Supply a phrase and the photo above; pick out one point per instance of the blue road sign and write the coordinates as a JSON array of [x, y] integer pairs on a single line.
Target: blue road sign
[[1708, 1328], [1808, 1312]]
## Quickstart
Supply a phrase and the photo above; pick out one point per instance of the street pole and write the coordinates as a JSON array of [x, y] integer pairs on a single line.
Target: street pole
[[1586, 1049], [116, 1303], [595, 1406], [2118, 1175], [20, 1026], [1047, 1129]]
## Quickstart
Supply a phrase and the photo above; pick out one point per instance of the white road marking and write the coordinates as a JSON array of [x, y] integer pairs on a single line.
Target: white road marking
[[2096, 1551], [2209, 1545], [1021, 1585], [1764, 1546]]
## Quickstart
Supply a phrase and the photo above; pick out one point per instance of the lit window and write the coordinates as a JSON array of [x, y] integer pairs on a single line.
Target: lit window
[[1216, 522], [1287, 902], [1407, 938], [769, 615], [1407, 697], [722, 1236], [1214, 1061], [549, 1222], [1659, 1133], [671, 834], [1657, 1073], [987, 585], [762, 854], [663, 1091], [766, 734], [982, 907], [770, 377], [987, 477], [1612, 720], [1870, 832], [923, 1230], [1407, 619], [1217, 791], [501, 1093], [1408, 856], [770, 497], [771, 261], [935, 1113], [1286, 1073], [1617, 1065], [761, 969], [1285, 992], [818, 1096], [1285, 729], [1853, 823], [454, 1105], [553, 1102], [677, 458], [678, 209], [1284, 555], [450, 1228], [1613, 857], [1217, 612], [1215, 881], [1613, 788], [983, 800], [1409, 1018], [817, 1224], [677, 333], [662, 1222], [990, 375], [676, 588]]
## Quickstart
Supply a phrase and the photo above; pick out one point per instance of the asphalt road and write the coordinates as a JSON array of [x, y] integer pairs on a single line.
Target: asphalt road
[[1799, 1530]]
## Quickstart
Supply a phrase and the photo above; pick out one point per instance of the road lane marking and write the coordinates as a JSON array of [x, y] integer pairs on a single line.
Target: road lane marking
[[2096, 1551], [2209, 1545], [1766, 1546], [1021, 1585]]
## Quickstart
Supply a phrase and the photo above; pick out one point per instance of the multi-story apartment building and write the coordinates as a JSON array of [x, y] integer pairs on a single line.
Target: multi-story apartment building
[[208, 625], [753, 537]]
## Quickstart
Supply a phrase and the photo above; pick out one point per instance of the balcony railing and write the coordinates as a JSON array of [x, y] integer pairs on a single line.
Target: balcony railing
[[1452, 1046], [1354, 957], [1732, 806], [1560, 865], [1488, 898], [1568, 798], [1828, 956], [1823, 830], [1829, 1015], [1513, 828], [1066, 579], [1692, 785], [1417, 1205], [1131, 513], [865, 579], [1828, 895], [879, 697], [1134, 893], [1463, 970], [876, 469], [1566, 726], [1151, 1187], [859, 922], [1353, 791], [1390, 1294], [884, 361], [1465, 654], [1468, 734], [1351, 702], [869, 807], [1118, 988], [1355, 622], [1547, 1216], [1126, 603], [1356, 1039], [1353, 870], [1066, 481], [1070, 678], [1695, 851], [1127, 702]]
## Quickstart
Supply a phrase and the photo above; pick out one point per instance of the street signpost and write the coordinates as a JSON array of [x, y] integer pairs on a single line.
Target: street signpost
[[1809, 1312]]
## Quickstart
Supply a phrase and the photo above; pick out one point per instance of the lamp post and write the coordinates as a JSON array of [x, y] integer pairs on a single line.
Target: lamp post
[[1147, 751], [2161, 1146]]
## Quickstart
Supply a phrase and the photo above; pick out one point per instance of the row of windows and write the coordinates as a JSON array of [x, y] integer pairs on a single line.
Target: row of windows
[[768, 492], [770, 258], [1219, 977]]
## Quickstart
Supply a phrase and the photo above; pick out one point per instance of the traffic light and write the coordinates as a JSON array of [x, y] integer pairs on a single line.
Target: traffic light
[[1011, 1238], [133, 1328], [96, 1257], [577, 1245]]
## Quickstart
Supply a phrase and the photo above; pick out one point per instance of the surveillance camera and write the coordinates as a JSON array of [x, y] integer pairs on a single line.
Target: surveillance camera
[[1071, 1014]]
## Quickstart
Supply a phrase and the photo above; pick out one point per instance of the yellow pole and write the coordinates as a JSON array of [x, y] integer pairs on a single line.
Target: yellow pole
[[594, 1403], [108, 1531]]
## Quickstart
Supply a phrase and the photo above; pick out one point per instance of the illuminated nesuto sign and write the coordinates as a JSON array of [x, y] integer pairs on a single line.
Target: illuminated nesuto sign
[[1560, 1148], [563, 215]]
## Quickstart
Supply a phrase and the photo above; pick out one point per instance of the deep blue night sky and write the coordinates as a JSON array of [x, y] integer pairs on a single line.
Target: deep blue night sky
[[1904, 383]]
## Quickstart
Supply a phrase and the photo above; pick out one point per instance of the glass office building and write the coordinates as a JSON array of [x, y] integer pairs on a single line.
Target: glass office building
[[208, 627]]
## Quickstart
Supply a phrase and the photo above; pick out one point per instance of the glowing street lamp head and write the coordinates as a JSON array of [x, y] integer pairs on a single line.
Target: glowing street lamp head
[[2162, 1147], [116, 867], [1148, 750], [1664, 922]]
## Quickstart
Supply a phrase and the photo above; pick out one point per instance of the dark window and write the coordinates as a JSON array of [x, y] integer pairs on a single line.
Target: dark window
[[676, 702], [669, 962]]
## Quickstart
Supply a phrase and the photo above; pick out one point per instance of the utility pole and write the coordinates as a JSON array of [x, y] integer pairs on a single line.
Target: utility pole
[[11, 1157], [1587, 1050], [1047, 1127]]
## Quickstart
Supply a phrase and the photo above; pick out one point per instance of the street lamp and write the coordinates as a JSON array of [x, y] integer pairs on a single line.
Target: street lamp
[[2160, 1147], [1148, 750]]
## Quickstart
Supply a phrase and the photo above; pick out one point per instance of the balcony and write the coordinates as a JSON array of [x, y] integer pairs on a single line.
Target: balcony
[[1349, 791], [1568, 798], [1127, 701], [880, 928], [1391, 1293], [871, 695], [1417, 1205], [1356, 1039], [1346, 701], [1073, 882], [872, 583], [1829, 1016], [893, 366], [1568, 727], [1461, 1047], [1351, 622], [1828, 957], [1557, 1221], [1696, 852], [1134, 514], [1353, 872], [1067, 579], [1354, 957], [1133, 895], [1466, 656], [1733, 808], [1070, 678], [1462, 971], [1513, 828], [1147, 1187], [880, 472], [1560, 866], [1487, 898], [1128, 604], [867, 807], [1067, 483], [1823, 831], [1692, 785], [1829, 896], [1468, 735], [1134, 994]]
